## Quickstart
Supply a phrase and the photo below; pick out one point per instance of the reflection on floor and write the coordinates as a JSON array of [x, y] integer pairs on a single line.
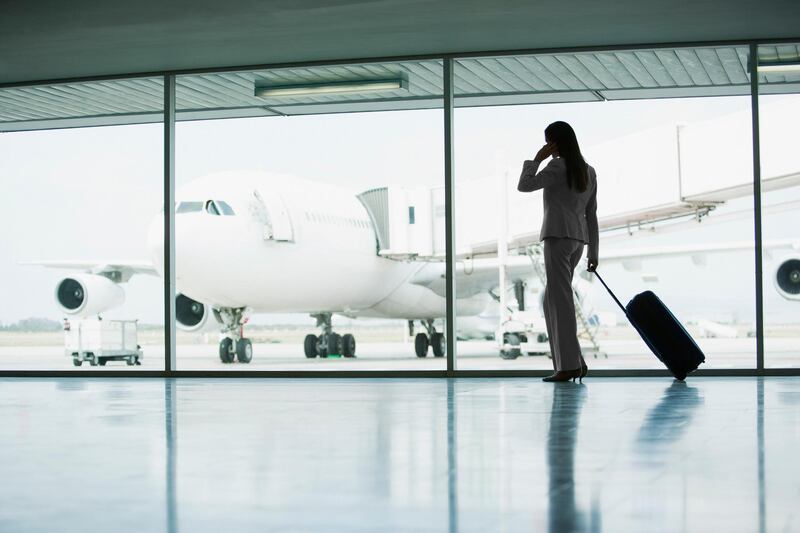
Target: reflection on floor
[[621, 454]]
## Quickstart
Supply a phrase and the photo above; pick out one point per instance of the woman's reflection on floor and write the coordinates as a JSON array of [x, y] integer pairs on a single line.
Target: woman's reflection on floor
[[563, 513]]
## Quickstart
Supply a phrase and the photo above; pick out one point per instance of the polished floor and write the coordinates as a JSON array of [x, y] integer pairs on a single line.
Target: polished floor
[[367, 455]]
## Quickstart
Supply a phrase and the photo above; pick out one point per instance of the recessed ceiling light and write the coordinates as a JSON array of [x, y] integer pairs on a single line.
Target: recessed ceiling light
[[310, 89], [778, 67]]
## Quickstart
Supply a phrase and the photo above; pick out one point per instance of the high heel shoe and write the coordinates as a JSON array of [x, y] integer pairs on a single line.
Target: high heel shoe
[[565, 375], [584, 369]]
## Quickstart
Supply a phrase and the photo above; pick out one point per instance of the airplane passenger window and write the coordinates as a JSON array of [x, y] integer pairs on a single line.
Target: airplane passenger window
[[226, 209], [211, 208], [189, 207]]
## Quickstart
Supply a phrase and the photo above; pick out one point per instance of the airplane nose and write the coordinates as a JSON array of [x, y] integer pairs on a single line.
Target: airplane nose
[[155, 243]]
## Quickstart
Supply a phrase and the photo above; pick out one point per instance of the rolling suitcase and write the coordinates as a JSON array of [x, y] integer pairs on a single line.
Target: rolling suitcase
[[662, 332]]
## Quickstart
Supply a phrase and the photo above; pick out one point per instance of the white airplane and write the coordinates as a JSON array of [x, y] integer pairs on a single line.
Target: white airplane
[[253, 242], [258, 243]]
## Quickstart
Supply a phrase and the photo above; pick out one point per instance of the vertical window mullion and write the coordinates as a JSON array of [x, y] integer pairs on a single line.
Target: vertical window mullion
[[449, 196], [759, 256], [169, 223]]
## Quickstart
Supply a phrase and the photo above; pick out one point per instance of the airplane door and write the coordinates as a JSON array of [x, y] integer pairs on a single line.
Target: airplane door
[[273, 216]]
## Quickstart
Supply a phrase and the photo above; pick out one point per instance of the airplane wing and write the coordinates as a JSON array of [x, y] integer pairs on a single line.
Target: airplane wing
[[477, 275], [118, 271], [474, 276]]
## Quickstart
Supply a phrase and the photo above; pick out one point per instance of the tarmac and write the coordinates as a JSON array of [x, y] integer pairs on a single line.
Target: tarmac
[[616, 354]]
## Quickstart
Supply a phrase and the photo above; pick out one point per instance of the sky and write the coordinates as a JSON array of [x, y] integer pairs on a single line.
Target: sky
[[92, 193]]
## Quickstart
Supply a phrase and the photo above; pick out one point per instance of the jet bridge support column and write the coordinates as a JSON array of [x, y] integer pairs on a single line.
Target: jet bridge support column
[[502, 248]]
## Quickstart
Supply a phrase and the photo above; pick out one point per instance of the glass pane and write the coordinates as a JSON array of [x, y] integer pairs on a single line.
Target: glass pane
[[82, 174], [779, 115], [319, 259], [669, 134]]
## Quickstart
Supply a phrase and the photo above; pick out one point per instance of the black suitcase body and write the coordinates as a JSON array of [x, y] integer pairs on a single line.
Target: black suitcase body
[[662, 332]]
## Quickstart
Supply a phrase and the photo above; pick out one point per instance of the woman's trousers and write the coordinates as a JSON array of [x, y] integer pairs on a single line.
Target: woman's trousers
[[561, 256]]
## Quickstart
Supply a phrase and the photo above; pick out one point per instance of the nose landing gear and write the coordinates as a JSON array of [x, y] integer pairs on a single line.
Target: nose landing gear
[[233, 345], [328, 342]]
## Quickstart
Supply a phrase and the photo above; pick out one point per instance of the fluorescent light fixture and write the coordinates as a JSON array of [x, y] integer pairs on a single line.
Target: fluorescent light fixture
[[779, 67], [338, 87]]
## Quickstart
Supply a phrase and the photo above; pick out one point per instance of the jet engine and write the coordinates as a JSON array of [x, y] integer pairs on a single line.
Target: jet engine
[[190, 314], [88, 294], [787, 278]]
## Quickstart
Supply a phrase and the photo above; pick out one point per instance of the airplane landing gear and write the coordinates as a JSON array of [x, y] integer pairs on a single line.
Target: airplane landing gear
[[244, 351], [328, 342], [226, 350], [434, 339], [421, 345], [310, 345], [233, 345], [348, 345]]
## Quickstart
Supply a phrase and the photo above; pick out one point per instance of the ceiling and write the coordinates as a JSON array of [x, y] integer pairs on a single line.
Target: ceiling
[[478, 81], [54, 39]]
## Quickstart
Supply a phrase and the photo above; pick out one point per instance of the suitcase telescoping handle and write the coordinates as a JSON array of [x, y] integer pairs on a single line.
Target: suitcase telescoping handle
[[611, 293]]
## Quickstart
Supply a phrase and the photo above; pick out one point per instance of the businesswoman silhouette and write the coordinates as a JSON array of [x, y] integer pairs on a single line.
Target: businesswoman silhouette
[[570, 222]]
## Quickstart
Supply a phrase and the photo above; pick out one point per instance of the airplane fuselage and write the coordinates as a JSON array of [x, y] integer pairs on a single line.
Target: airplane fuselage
[[282, 244]]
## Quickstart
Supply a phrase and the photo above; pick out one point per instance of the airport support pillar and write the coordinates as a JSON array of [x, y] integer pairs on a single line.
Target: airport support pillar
[[449, 215], [759, 256], [169, 223]]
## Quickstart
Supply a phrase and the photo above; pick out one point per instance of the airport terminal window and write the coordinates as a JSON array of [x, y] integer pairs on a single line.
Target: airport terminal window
[[97, 221], [301, 284], [679, 107], [669, 133], [779, 116]]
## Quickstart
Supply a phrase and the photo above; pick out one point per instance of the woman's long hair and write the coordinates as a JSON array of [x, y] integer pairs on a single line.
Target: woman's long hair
[[563, 136]]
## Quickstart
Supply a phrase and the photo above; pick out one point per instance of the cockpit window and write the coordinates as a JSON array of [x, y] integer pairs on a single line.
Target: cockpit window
[[212, 207], [225, 208], [189, 207]]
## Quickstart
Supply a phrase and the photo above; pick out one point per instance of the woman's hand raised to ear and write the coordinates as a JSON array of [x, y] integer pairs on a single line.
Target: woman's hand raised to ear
[[545, 152]]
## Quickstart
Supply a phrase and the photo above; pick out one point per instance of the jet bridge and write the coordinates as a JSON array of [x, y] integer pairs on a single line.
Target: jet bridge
[[406, 222]]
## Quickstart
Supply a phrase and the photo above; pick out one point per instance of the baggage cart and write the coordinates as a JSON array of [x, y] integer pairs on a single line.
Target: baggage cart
[[98, 341]]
